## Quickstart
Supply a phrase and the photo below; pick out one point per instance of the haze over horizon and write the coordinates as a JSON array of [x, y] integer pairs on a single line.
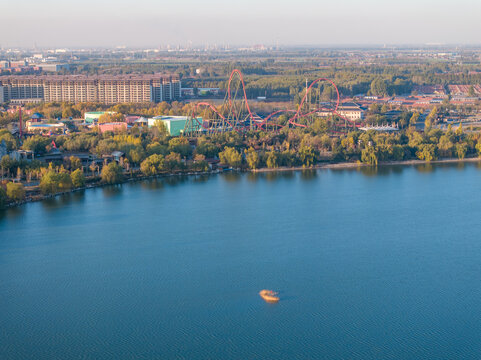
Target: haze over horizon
[[109, 23]]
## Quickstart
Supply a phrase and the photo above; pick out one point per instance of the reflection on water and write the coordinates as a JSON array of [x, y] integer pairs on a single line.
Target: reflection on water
[[369, 170], [152, 184], [12, 213], [59, 201], [270, 175], [382, 170], [231, 176], [253, 176], [356, 263], [162, 182], [425, 168], [175, 180], [200, 178], [308, 174], [112, 191]]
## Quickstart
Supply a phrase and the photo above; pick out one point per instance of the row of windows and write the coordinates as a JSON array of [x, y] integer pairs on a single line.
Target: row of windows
[[88, 92]]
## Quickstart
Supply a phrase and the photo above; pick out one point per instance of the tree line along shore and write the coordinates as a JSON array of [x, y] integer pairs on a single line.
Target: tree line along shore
[[151, 151]]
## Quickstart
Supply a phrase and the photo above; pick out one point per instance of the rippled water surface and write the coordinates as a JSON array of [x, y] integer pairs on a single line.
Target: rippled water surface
[[369, 264]]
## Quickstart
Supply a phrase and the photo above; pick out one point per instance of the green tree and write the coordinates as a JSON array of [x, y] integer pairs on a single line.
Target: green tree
[[136, 155], [69, 111], [369, 156], [427, 152], [37, 144], [459, 130], [415, 139], [173, 162], [200, 164], [272, 160], [112, 173], [378, 87], [49, 183], [288, 158], [93, 167], [414, 119], [3, 198], [432, 115], [78, 178], [397, 152], [111, 117], [64, 181], [461, 150], [6, 164], [478, 148], [252, 158], [9, 139], [53, 182], [160, 128], [307, 155], [75, 163], [445, 146], [208, 149], [427, 124], [231, 157], [152, 165], [157, 148], [181, 146], [15, 191]]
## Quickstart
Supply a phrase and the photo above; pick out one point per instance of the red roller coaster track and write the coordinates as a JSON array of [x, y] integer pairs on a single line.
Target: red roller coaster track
[[233, 121]]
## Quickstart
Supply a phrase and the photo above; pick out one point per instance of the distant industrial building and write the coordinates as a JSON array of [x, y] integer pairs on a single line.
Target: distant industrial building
[[53, 67], [81, 88]]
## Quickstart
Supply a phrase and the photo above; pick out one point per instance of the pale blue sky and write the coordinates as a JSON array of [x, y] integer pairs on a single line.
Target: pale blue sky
[[158, 22]]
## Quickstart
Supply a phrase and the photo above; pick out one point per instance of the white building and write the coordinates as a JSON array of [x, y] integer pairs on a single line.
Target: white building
[[350, 111]]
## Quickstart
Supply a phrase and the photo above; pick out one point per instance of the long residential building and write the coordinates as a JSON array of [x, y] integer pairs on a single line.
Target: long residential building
[[107, 89]]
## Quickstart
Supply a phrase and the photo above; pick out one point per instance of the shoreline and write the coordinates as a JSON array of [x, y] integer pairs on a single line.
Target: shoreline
[[340, 165], [350, 165]]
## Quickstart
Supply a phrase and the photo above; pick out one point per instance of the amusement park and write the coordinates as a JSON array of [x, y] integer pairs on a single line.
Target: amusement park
[[235, 113]]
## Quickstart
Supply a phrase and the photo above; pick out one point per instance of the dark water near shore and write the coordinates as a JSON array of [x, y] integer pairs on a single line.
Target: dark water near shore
[[369, 264]]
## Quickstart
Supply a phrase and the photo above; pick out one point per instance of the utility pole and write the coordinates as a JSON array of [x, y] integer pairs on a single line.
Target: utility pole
[[20, 125], [306, 88]]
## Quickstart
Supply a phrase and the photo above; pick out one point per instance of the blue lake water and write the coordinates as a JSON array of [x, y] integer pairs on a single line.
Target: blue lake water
[[369, 264]]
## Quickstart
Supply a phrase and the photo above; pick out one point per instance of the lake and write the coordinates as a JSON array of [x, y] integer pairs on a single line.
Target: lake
[[369, 264]]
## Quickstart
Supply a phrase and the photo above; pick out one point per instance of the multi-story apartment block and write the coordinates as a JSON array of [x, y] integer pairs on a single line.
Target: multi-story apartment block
[[81, 88]]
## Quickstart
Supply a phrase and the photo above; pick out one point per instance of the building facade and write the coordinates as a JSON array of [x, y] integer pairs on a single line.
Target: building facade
[[351, 111], [175, 125], [100, 89]]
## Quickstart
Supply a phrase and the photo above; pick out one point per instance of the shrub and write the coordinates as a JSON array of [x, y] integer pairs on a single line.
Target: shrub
[[112, 173], [78, 178], [15, 191]]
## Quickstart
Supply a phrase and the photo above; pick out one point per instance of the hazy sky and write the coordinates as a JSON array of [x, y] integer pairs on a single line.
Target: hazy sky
[[158, 22]]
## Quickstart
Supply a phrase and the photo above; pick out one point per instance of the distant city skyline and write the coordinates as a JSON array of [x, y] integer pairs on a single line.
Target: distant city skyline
[[150, 23]]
